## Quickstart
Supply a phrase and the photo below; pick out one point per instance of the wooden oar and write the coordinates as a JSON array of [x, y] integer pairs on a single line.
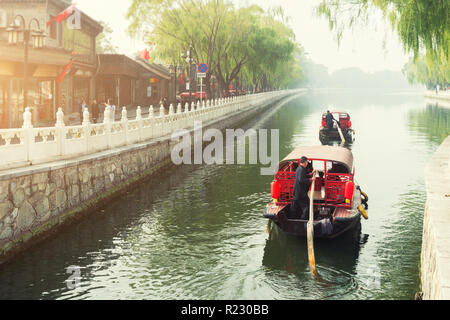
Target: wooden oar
[[310, 231], [340, 132]]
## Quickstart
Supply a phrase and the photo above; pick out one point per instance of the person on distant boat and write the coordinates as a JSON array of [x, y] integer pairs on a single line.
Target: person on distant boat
[[300, 200], [329, 120]]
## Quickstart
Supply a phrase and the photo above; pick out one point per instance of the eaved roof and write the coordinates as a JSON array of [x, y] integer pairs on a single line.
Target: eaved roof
[[153, 68], [330, 153]]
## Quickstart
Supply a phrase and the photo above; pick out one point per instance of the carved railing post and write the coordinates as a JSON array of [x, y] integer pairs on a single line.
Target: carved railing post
[[86, 125], [162, 115], [107, 124], [124, 121], [151, 115], [180, 117], [27, 132], [60, 132], [139, 122]]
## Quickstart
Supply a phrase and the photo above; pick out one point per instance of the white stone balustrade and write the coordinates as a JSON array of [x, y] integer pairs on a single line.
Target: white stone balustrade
[[28, 145]]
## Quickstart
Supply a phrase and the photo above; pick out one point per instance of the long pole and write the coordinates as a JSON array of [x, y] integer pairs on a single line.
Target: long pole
[[340, 132], [310, 231]]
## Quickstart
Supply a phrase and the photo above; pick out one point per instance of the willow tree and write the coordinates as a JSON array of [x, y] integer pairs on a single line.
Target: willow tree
[[234, 42], [420, 24], [422, 70], [274, 55], [175, 26], [423, 27], [233, 51]]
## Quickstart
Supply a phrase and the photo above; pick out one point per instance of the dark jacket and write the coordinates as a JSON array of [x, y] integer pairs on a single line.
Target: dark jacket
[[301, 186], [329, 120]]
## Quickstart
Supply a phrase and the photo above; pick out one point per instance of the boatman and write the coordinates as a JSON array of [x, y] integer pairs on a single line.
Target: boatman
[[300, 200], [329, 120]]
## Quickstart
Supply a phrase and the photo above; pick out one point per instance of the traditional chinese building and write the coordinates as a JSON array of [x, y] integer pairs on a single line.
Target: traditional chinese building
[[128, 83], [69, 42]]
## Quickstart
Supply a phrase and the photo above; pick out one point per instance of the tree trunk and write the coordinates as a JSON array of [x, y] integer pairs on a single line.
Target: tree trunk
[[208, 86]]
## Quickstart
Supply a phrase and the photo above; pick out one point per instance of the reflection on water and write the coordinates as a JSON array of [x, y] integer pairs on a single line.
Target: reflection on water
[[434, 122], [338, 259], [197, 232]]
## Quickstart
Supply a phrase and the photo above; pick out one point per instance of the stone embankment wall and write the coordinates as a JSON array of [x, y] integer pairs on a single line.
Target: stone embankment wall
[[37, 200], [435, 257]]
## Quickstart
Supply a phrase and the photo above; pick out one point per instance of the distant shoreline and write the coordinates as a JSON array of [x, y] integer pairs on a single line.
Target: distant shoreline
[[418, 91], [442, 98]]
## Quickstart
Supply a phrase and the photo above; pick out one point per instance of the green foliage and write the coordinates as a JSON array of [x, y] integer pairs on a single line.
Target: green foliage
[[433, 121], [429, 70], [421, 24], [237, 43], [103, 40]]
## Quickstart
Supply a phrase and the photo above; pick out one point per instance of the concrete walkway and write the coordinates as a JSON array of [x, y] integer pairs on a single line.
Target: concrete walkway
[[435, 257]]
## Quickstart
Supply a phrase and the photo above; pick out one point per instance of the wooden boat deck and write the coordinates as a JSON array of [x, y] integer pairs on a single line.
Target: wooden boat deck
[[340, 213]]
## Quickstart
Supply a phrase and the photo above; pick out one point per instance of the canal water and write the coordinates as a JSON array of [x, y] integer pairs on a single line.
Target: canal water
[[198, 232]]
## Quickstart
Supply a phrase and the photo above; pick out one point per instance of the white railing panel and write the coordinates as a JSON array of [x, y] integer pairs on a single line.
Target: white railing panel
[[22, 145]]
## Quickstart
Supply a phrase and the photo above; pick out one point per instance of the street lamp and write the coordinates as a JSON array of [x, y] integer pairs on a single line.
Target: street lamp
[[13, 33], [37, 35], [189, 60]]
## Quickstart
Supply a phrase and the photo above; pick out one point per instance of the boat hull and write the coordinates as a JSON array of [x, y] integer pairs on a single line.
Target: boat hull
[[340, 225], [333, 134]]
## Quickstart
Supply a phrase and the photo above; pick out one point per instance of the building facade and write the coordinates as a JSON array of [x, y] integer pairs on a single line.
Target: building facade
[[63, 43], [128, 83]]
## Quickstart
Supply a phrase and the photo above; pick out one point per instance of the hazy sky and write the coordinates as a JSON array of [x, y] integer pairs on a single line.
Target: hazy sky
[[363, 48]]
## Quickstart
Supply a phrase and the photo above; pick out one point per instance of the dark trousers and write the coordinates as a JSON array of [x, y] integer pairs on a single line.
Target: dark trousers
[[299, 210]]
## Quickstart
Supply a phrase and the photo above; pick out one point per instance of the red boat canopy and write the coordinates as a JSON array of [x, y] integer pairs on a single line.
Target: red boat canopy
[[340, 113], [337, 154]]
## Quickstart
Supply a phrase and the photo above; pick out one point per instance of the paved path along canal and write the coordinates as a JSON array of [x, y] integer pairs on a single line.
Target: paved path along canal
[[199, 232]]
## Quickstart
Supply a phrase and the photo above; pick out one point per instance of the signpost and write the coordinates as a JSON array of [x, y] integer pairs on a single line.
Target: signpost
[[202, 69]]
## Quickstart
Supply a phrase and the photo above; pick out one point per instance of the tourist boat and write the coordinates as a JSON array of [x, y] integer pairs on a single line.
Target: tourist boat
[[345, 123], [338, 200]]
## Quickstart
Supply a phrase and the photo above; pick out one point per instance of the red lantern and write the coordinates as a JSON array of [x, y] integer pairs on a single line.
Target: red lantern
[[275, 189], [348, 193]]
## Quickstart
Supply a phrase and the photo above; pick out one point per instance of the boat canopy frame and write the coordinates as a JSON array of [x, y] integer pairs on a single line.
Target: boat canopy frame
[[324, 153], [334, 183]]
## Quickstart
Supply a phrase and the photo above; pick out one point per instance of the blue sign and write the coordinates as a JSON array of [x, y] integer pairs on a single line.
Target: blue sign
[[202, 67]]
